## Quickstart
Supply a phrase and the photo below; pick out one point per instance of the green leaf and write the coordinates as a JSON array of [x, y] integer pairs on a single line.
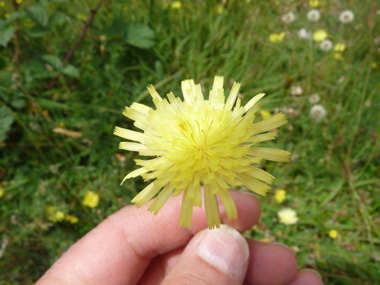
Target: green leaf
[[140, 35], [38, 15], [6, 120], [58, 19], [37, 31], [71, 71], [6, 35], [53, 61], [50, 104]]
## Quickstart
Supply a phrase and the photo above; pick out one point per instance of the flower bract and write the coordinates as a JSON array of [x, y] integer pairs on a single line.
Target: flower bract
[[200, 142]]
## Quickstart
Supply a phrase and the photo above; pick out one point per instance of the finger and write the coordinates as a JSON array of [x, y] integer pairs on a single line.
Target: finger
[[120, 248], [212, 257], [270, 264], [307, 276]]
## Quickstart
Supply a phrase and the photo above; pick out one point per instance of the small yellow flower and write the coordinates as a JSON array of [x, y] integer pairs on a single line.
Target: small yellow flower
[[277, 37], [338, 56], [6, 15], [333, 233], [50, 210], [52, 219], [2, 4], [219, 9], [200, 141], [287, 216], [176, 5], [1, 191], [62, 124], [59, 216], [314, 3], [374, 65], [319, 35], [125, 9], [72, 219], [18, 1], [280, 195], [340, 47], [265, 114], [91, 199]]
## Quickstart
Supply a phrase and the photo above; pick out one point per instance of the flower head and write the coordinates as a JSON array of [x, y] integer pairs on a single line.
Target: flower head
[[314, 3], [313, 15], [340, 47], [280, 195], [318, 113], [319, 35], [333, 233], [326, 45], [71, 219], [313, 99], [176, 5], [91, 199], [288, 216], [277, 37], [303, 34], [296, 90], [219, 9], [2, 4], [288, 17], [346, 17], [200, 141], [338, 56]]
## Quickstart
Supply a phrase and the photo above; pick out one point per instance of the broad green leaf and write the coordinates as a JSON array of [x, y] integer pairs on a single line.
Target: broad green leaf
[[58, 19], [6, 35], [140, 35], [71, 71], [6, 120], [53, 61], [38, 15], [37, 31]]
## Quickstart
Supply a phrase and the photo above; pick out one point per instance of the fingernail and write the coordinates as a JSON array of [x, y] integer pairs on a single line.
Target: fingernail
[[225, 249], [283, 245], [312, 270]]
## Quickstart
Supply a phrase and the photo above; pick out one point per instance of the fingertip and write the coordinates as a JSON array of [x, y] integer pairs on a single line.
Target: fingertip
[[307, 276]]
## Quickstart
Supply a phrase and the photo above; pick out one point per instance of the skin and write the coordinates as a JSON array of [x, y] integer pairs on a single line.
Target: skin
[[133, 246]]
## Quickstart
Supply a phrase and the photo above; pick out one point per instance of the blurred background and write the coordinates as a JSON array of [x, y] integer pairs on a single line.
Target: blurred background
[[68, 69]]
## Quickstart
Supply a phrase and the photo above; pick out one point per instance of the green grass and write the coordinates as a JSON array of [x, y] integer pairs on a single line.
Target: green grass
[[333, 183]]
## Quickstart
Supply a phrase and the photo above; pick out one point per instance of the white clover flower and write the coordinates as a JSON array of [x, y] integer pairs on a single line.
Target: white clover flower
[[313, 15], [288, 216], [346, 17], [318, 113], [326, 45], [296, 90], [303, 34], [288, 18], [313, 99]]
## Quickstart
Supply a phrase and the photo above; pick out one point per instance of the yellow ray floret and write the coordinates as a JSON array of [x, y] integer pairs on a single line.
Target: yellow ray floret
[[198, 141]]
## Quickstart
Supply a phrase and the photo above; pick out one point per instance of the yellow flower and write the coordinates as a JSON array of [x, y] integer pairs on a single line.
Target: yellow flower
[[333, 233], [280, 195], [219, 9], [288, 216], [176, 5], [277, 37], [265, 114], [319, 35], [125, 9], [50, 210], [2, 4], [340, 47], [338, 56], [18, 1], [72, 219], [59, 216], [91, 199], [1, 191], [374, 65], [314, 3], [6, 15], [200, 141]]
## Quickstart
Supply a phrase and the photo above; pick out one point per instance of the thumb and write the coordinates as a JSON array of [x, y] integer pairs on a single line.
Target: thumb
[[217, 256]]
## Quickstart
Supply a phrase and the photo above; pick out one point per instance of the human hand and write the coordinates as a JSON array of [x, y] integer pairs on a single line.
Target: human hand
[[133, 246]]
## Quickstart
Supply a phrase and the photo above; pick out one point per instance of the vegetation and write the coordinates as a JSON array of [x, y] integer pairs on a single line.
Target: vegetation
[[68, 69]]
